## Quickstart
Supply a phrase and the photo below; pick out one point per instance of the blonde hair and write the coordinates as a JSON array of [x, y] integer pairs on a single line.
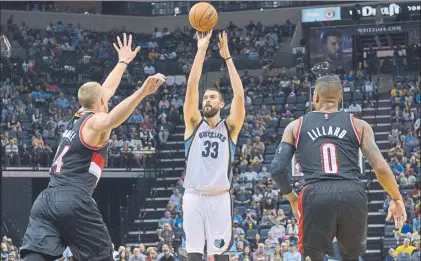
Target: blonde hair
[[88, 94]]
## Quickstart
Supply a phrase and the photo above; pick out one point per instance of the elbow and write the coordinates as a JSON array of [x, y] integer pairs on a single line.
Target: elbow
[[277, 169], [381, 168]]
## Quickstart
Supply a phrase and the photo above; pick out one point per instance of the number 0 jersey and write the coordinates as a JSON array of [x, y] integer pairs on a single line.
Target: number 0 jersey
[[327, 146], [209, 154], [76, 164]]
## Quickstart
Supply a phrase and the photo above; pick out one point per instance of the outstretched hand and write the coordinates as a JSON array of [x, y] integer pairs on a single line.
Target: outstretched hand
[[203, 39], [398, 211], [223, 45], [152, 83], [124, 49]]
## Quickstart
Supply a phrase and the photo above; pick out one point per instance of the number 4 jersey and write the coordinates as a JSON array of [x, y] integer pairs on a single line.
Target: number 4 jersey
[[209, 154], [327, 146], [77, 164]]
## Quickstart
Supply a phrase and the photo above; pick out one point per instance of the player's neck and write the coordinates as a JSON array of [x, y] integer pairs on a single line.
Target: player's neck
[[213, 121], [328, 107]]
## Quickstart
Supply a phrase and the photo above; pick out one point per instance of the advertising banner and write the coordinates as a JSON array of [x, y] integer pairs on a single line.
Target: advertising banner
[[320, 14], [390, 10]]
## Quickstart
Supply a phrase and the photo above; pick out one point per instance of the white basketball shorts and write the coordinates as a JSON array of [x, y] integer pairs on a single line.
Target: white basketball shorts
[[207, 218]]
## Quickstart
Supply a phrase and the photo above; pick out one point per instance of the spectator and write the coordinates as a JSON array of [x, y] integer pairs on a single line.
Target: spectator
[[260, 253], [12, 153], [136, 255], [166, 219], [176, 198], [164, 131], [405, 248], [355, 108], [292, 254]]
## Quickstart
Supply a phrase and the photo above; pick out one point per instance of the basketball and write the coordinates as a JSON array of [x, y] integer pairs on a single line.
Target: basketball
[[203, 17]]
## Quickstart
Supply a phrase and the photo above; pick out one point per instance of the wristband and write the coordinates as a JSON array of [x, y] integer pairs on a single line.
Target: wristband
[[123, 62], [227, 58]]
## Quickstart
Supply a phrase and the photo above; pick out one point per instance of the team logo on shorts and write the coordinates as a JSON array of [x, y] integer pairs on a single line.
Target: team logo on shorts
[[219, 243]]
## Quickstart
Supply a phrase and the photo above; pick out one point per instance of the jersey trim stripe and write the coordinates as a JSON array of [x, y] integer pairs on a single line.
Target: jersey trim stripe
[[83, 141], [357, 133], [231, 148], [298, 131], [189, 141]]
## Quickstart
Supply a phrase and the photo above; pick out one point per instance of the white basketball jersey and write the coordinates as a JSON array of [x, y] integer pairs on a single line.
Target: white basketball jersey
[[209, 154]]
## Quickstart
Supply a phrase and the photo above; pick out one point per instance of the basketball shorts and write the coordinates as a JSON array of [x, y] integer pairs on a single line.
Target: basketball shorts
[[207, 218], [333, 208], [61, 218]]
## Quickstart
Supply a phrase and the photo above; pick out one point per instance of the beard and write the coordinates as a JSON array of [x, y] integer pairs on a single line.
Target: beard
[[209, 113]]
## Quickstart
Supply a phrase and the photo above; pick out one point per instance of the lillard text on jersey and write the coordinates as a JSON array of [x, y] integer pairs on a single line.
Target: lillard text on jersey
[[326, 131]]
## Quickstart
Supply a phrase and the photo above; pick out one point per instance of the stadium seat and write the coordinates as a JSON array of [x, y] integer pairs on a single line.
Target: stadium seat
[[22, 134], [291, 99], [270, 149], [279, 100], [286, 208], [268, 101], [251, 234], [273, 123], [300, 107], [284, 122], [241, 210], [279, 108], [257, 101], [388, 230], [264, 232], [13, 134], [281, 131], [23, 118], [302, 99]]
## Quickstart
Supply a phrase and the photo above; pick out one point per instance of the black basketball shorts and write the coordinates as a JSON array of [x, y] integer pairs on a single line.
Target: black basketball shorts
[[61, 218], [333, 208]]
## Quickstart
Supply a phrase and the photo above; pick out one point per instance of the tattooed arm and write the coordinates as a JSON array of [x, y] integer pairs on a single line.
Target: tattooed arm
[[370, 150]]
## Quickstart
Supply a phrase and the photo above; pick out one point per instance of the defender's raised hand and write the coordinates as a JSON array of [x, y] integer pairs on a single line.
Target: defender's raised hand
[[223, 45], [203, 39], [152, 83], [124, 49]]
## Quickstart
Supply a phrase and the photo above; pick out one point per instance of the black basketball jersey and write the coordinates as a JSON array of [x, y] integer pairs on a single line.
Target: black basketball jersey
[[327, 146], [76, 163]]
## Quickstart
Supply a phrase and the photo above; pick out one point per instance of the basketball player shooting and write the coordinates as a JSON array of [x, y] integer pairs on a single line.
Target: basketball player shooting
[[333, 202], [210, 144], [65, 213]]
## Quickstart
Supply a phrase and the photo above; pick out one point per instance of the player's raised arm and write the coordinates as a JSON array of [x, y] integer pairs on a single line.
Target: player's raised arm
[[125, 56], [237, 113], [383, 172], [279, 167], [102, 122], [191, 104]]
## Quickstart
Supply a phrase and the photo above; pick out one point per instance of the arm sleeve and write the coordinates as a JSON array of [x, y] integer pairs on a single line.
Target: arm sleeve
[[280, 166]]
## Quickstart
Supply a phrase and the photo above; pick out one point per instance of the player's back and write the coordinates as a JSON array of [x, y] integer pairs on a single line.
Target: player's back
[[209, 154], [327, 146], [76, 164]]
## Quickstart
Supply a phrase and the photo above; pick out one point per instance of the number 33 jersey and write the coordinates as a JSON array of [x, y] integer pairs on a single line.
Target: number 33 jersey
[[209, 154], [327, 146], [77, 164]]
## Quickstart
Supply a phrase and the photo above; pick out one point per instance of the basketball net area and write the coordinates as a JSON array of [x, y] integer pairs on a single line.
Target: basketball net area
[[319, 70], [6, 47]]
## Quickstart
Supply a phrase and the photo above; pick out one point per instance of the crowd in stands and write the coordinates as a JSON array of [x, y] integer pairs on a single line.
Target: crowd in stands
[[39, 99], [404, 159]]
